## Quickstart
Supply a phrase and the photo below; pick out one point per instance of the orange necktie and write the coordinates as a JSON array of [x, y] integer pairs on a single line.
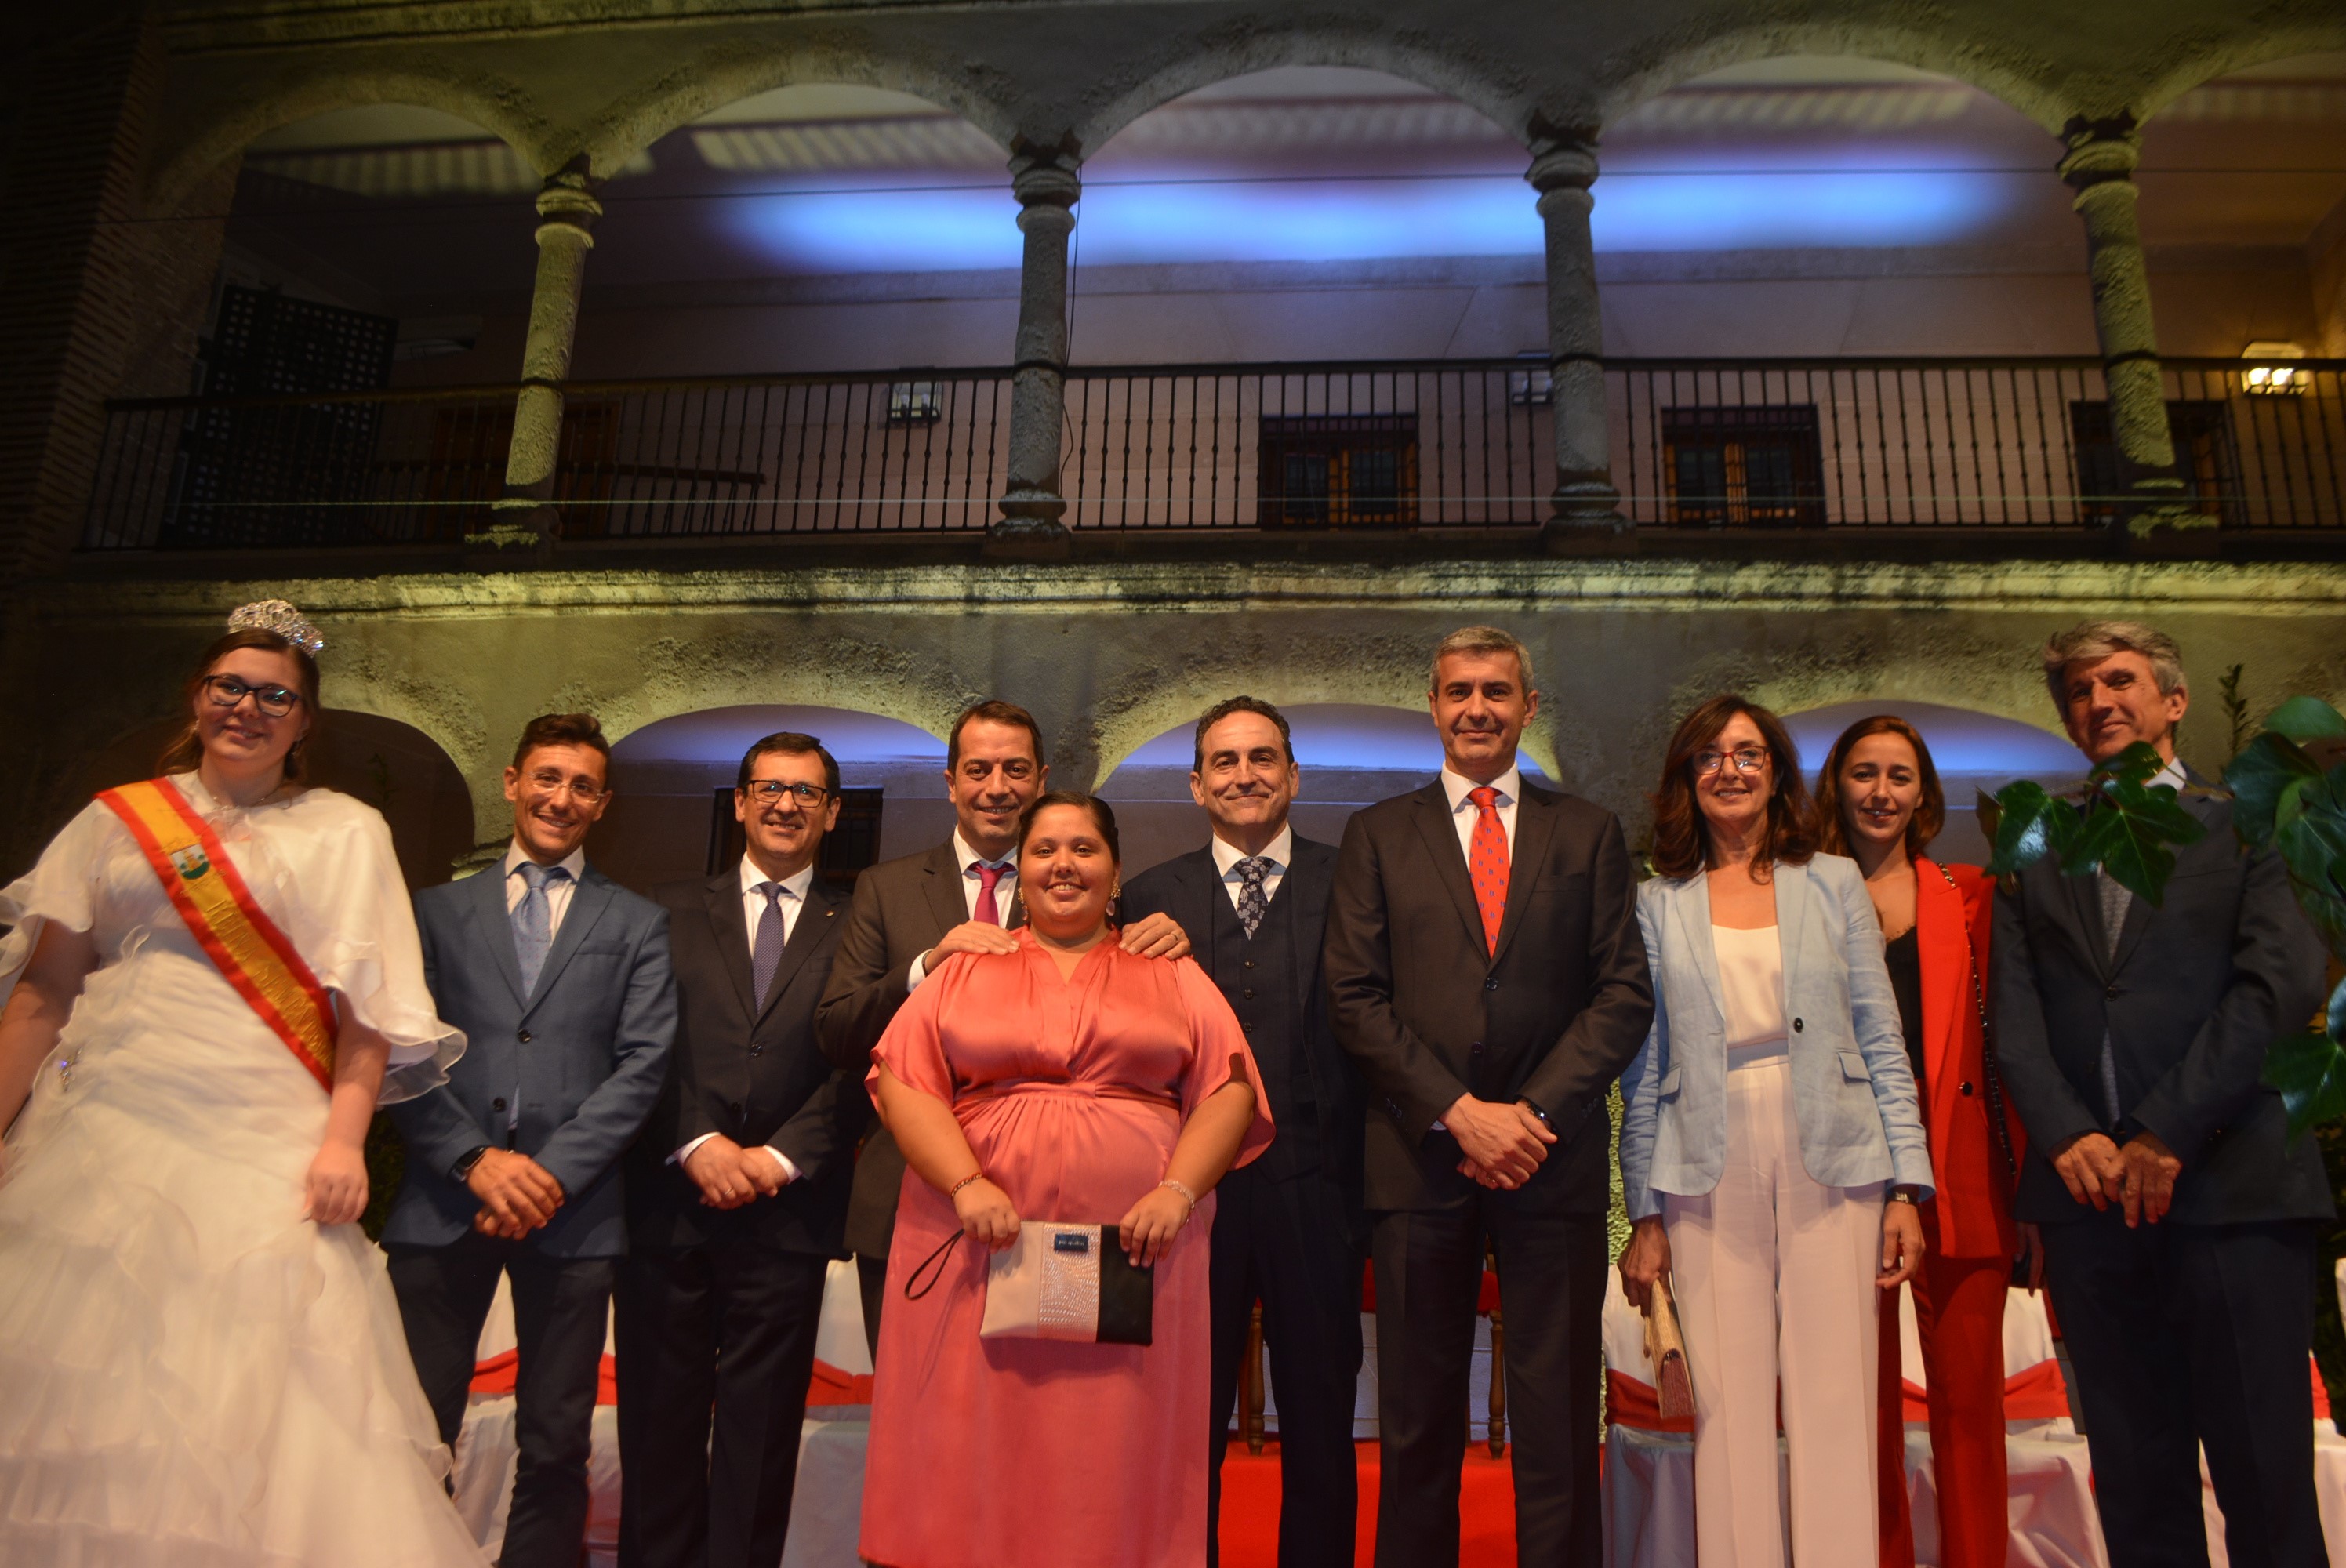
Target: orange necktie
[[1486, 863]]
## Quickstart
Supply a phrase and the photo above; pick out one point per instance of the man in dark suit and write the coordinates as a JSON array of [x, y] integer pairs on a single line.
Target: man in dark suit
[[559, 979], [737, 1190], [910, 916], [1289, 1228], [1485, 974], [2178, 1220]]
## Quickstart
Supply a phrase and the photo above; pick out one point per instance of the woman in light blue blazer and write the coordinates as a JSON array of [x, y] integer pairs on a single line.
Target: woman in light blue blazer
[[1773, 1151]]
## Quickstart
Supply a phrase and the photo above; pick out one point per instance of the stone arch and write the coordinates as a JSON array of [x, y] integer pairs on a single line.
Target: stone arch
[[1642, 74], [392, 766], [721, 76], [1223, 54], [2318, 34], [219, 130]]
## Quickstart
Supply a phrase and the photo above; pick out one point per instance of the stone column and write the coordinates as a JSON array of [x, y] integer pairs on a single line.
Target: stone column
[[1047, 185], [2099, 167], [566, 210], [1563, 168]]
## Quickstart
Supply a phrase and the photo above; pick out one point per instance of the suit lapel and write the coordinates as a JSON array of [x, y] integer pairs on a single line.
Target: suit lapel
[[1434, 825], [946, 901], [2085, 903], [730, 927], [1942, 942], [821, 910], [1795, 892], [586, 906], [2139, 913], [1691, 906], [1309, 881], [1535, 825], [497, 926]]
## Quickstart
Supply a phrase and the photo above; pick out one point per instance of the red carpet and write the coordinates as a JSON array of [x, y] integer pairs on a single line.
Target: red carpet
[[1486, 1509]]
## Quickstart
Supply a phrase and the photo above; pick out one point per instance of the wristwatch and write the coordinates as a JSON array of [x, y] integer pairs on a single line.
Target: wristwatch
[[463, 1169], [1907, 1195]]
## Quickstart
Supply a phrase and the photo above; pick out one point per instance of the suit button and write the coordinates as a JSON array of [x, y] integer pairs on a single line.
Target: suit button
[[498, 1104], [1250, 993], [1248, 1027], [1491, 983], [2111, 989], [1968, 1088], [522, 1035], [1249, 964], [757, 1050], [1798, 1027], [736, 1105], [1475, 1049]]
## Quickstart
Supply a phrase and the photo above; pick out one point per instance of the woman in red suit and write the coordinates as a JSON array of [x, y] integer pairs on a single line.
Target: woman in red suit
[[1880, 803]]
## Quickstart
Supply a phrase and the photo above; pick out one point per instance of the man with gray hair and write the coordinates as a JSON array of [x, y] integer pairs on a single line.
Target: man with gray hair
[[1486, 975], [2178, 1220]]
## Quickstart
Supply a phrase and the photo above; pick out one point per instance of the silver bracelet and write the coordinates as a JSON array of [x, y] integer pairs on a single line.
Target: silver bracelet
[[1186, 1196]]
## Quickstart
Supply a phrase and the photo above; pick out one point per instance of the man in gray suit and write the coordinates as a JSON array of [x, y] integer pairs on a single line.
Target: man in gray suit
[[910, 914], [2179, 1217], [560, 981]]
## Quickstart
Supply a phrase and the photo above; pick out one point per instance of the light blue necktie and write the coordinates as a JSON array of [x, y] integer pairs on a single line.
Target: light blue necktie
[[534, 921], [766, 950]]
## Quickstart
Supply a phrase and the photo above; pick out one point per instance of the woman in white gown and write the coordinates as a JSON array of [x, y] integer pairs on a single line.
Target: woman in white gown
[[201, 1363]]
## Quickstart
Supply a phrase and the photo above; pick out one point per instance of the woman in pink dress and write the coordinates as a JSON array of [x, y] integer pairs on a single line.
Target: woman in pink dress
[[1069, 1081]]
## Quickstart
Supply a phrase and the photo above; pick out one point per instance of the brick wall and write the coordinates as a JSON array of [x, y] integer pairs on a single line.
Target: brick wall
[[98, 298]]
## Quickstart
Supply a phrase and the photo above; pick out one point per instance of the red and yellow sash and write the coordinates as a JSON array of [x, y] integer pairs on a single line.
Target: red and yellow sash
[[228, 922]]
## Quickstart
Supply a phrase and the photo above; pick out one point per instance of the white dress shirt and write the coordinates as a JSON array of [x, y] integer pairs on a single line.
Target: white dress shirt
[[1510, 786], [1280, 853], [968, 860], [792, 900], [558, 893]]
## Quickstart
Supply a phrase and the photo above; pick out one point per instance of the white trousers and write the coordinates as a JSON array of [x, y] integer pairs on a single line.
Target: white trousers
[[1774, 1279]]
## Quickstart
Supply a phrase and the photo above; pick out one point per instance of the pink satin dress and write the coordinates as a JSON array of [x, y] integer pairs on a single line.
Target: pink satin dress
[[987, 1452]]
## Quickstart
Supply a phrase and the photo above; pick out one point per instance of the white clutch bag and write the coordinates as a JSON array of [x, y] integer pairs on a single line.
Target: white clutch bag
[[1067, 1282]]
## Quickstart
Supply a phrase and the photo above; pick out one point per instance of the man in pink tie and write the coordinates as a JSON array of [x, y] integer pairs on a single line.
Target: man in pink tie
[[910, 916], [1485, 974]]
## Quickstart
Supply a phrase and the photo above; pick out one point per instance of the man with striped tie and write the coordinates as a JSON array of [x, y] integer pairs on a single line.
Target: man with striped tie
[[559, 979], [1485, 974], [737, 1190]]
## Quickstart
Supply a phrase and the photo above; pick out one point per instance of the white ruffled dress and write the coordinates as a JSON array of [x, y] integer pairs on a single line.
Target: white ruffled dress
[[193, 1375]]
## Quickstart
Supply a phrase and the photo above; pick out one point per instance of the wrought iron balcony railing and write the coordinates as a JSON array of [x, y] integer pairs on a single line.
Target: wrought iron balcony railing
[[1825, 444]]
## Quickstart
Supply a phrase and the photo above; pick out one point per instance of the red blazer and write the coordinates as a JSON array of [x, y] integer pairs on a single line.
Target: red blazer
[[1970, 1214]]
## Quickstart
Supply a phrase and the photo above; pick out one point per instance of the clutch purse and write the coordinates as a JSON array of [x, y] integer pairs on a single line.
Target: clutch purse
[[1067, 1282], [1666, 1354]]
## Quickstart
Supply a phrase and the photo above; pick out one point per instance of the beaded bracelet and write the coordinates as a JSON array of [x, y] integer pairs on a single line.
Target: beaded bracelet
[[955, 1190], [1186, 1196]]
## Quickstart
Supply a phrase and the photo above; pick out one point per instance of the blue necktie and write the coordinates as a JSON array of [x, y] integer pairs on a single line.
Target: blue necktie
[[1253, 902], [534, 921], [766, 951]]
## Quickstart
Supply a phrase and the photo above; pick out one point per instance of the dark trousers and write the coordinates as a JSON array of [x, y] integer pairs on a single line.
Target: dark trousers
[[2184, 1336], [871, 1285], [1289, 1245], [718, 1337], [1429, 1267], [561, 1308]]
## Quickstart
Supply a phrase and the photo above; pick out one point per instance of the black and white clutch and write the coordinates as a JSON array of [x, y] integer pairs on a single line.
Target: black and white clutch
[[1067, 1282]]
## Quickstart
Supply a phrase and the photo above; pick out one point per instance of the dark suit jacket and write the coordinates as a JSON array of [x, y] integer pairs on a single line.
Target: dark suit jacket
[[1428, 1012], [2200, 987], [755, 1075], [587, 1048], [1183, 888], [901, 909]]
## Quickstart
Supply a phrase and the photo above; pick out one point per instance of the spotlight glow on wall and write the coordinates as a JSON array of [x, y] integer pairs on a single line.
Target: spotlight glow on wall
[[954, 229]]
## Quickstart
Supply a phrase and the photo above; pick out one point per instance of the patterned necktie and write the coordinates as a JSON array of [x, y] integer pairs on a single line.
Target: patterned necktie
[[534, 921], [1253, 902], [2115, 901], [766, 951], [989, 912], [1486, 863]]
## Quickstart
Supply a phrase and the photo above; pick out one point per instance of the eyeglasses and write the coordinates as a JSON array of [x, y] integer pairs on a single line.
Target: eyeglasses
[[547, 782], [226, 691], [1748, 759], [769, 791]]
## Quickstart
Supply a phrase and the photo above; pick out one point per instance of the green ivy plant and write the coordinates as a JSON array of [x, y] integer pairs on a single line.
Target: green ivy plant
[[2287, 789]]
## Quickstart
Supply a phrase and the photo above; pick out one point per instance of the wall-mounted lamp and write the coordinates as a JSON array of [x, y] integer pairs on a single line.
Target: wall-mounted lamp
[[2270, 378]]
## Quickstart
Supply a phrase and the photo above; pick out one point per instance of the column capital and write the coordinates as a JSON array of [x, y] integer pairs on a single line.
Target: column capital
[[1046, 177], [566, 200], [1562, 162], [2099, 151]]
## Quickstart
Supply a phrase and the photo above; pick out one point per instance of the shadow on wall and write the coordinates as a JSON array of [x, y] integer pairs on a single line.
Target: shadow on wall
[[392, 767], [672, 782]]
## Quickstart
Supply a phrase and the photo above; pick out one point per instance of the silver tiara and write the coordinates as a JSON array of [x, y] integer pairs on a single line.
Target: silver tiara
[[277, 616]]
